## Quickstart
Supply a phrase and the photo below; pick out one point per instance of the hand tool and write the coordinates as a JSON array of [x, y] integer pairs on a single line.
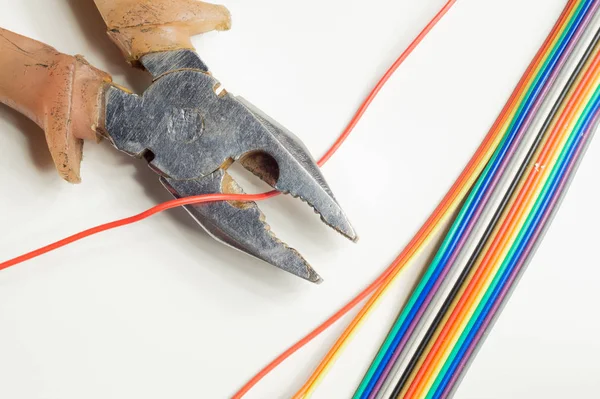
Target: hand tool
[[185, 125]]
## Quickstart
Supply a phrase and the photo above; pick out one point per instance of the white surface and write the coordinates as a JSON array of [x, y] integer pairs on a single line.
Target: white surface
[[160, 310]]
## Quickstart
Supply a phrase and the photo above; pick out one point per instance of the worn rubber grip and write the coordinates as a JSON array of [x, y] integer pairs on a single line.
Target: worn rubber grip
[[139, 27], [63, 94]]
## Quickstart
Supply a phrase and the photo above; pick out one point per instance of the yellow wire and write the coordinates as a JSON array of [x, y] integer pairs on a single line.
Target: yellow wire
[[308, 389], [469, 278], [312, 383], [511, 236], [459, 295]]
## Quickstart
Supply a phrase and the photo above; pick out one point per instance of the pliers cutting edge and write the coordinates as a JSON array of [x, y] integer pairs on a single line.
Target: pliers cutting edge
[[184, 125]]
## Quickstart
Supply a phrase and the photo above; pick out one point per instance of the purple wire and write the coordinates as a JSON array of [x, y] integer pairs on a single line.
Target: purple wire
[[522, 261], [512, 149]]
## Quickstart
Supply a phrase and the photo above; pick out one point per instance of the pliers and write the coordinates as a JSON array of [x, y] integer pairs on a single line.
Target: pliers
[[184, 125]]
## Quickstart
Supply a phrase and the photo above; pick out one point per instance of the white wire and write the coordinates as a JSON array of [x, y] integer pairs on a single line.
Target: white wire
[[490, 209], [593, 131]]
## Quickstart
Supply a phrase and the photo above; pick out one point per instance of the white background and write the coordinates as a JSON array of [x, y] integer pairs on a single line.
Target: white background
[[160, 310]]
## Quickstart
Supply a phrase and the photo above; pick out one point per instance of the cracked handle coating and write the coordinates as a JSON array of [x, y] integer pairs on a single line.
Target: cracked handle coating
[[61, 93], [140, 27]]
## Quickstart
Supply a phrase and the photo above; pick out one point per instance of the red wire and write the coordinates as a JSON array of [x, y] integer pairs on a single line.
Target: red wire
[[236, 197], [384, 79], [375, 284], [259, 197], [134, 219]]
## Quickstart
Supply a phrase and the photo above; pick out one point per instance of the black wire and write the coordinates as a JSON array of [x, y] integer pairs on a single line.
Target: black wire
[[496, 218], [527, 262]]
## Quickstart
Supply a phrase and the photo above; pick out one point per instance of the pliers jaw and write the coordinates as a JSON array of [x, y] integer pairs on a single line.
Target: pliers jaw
[[239, 225], [191, 132], [187, 128]]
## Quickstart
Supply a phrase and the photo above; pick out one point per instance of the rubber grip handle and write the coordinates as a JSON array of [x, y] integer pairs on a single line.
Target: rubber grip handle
[[63, 94], [139, 27]]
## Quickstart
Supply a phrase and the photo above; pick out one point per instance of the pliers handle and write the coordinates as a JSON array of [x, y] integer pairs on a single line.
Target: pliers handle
[[64, 94]]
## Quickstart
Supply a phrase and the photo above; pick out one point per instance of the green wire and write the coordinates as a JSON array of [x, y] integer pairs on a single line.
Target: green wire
[[547, 186], [424, 281], [457, 222]]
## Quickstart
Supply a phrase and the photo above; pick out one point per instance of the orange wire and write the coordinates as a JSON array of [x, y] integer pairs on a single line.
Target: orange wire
[[417, 239], [405, 256], [537, 59], [512, 218]]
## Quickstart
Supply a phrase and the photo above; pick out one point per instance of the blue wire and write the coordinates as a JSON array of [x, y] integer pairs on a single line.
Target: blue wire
[[452, 247], [483, 189], [494, 297], [521, 247]]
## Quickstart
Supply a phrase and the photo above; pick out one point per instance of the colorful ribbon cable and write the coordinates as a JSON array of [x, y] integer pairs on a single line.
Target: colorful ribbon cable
[[436, 379], [522, 265], [467, 179], [510, 231], [455, 240], [517, 253], [487, 224]]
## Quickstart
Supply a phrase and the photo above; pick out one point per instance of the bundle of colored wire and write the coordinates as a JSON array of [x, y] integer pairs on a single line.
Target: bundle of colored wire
[[491, 214], [432, 340], [523, 263], [498, 136], [537, 189]]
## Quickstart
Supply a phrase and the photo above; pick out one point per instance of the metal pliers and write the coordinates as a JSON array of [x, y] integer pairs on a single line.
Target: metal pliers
[[184, 125]]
